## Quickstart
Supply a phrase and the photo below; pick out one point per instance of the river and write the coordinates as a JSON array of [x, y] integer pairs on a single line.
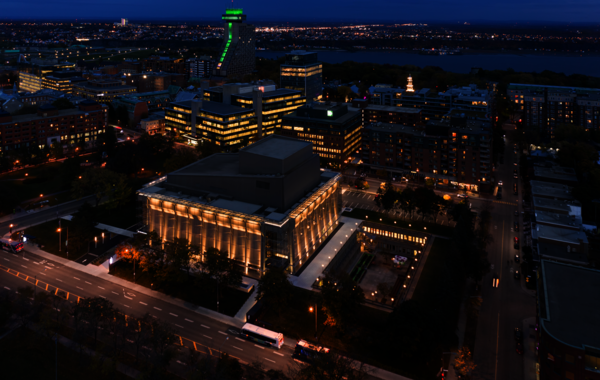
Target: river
[[527, 62]]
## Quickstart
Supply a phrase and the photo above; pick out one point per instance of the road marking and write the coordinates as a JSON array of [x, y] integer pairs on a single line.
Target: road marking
[[102, 296], [23, 266], [76, 278], [125, 305], [189, 320], [179, 326], [145, 304], [101, 288], [6, 288], [58, 279], [36, 263], [221, 332], [256, 345], [6, 259], [115, 293], [240, 339], [157, 308], [175, 315], [497, 338], [79, 287], [206, 327], [277, 353], [237, 348], [181, 362], [25, 259], [43, 273], [272, 361], [206, 336], [88, 283], [128, 298], [48, 267]]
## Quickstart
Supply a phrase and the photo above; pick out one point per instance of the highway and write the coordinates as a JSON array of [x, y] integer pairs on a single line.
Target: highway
[[206, 332]]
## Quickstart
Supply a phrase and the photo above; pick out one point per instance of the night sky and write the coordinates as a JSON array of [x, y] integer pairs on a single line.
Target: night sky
[[309, 10]]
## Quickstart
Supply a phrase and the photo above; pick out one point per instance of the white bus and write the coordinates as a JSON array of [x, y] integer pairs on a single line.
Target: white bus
[[262, 336]]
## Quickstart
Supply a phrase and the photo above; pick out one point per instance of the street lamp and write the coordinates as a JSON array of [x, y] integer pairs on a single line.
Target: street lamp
[[59, 239], [311, 309], [95, 242], [221, 346], [10, 229]]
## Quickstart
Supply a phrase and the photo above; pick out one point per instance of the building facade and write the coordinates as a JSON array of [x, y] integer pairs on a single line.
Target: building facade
[[267, 205], [450, 152], [154, 81], [303, 72], [233, 115], [546, 107], [62, 81], [31, 77], [103, 91], [334, 131], [237, 58], [201, 67], [49, 125], [392, 115]]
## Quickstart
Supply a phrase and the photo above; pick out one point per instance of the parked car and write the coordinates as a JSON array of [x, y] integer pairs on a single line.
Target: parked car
[[519, 349], [517, 275], [516, 212], [500, 183], [517, 258], [516, 225], [516, 188], [462, 196], [516, 242]]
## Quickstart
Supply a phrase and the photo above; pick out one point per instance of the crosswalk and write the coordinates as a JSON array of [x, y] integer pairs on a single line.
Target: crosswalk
[[507, 203]]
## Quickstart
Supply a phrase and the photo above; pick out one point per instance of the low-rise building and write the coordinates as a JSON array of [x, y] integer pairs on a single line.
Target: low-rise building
[[392, 115], [555, 173], [49, 125], [569, 327], [103, 91], [334, 130], [154, 81], [551, 190], [270, 203], [153, 124]]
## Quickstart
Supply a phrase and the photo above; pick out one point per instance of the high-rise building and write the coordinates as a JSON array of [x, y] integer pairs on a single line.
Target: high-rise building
[[302, 71], [199, 67], [124, 22], [409, 86], [334, 130], [546, 107], [237, 58], [268, 204], [232, 115]]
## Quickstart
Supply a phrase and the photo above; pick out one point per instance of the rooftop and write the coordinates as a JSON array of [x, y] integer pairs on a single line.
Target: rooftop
[[561, 220], [556, 173], [214, 107], [31, 117], [559, 234], [558, 205], [568, 311], [393, 109], [279, 148], [551, 190]]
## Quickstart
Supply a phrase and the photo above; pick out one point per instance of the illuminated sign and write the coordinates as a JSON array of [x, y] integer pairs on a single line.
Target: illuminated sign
[[329, 113]]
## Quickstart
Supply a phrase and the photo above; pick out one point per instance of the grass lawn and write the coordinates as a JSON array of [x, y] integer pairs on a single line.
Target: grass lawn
[[32, 356], [373, 216], [44, 179], [200, 294]]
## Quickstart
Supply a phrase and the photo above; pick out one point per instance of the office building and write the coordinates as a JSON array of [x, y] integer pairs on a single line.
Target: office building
[[451, 152], [124, 22], [568, 331], [62, 81], [333, 130], [392, 115], [154, 63], [49, 125], [232, 115], [268, 204], [31, 77], [303, 72], [199, 67], [153, 124], [103, 90], [544, 108], [471, 101], [236, 59]]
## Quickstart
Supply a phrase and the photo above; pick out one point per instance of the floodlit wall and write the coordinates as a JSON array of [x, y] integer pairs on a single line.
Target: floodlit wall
[[241, 238]]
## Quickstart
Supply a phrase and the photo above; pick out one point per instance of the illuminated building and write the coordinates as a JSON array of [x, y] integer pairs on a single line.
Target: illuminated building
[[50, 125], [543, 108], [301, 71], [393, 115], [268, 204], [31, 77], [62, 81], [237, 57], [233, 115], [450, 151], [333, 130], [124, 22], [103, 91], [409, 86], [154, 81]]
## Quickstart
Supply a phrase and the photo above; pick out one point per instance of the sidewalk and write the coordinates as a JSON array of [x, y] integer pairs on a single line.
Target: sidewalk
[[529, 353], [328, 252]]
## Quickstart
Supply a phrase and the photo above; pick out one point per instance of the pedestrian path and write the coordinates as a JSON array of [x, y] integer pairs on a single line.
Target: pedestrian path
[[327, 253]]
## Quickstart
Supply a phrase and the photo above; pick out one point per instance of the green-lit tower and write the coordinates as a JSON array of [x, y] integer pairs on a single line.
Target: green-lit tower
[[237, 53]]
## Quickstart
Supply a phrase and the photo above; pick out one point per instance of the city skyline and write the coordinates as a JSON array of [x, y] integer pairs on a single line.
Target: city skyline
[[336, 11]]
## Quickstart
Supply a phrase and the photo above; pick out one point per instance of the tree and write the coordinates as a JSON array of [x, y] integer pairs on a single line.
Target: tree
[[63, 104], [182, 157], [407, 201], [464, 362], [161, 351], [389, 197], [140, 331], [56, 150], [330, 366], [96, 311], [219, 267], [122, 116], [341, 297], [275, 288], [83, 227], [102, 183], [425, 198]]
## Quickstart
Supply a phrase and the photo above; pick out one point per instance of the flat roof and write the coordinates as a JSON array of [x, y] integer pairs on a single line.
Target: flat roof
[[277, 147], [571, 314], [550, 189], [559, 234], [393, 109], [555, 173], [269, 94], [558, 219], [34, 116], [214, 107], [561, 205]]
